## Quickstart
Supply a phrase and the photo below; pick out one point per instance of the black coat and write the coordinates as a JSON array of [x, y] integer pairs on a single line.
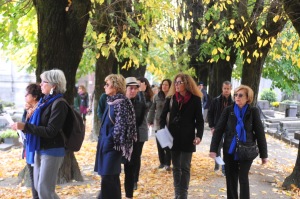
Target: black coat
[[50, 128], [191, 119], [252, 124], [215, 110]]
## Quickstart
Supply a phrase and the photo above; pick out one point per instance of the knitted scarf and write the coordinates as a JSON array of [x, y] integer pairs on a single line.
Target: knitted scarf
[[125, 133], [32, 140], [239, 113]]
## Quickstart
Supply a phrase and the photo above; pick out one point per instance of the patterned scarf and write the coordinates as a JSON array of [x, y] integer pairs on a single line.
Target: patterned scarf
[[125, 133], [239, 113], [32, 140]]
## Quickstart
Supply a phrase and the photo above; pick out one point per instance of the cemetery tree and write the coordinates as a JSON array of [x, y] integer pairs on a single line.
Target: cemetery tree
[[61, 30]]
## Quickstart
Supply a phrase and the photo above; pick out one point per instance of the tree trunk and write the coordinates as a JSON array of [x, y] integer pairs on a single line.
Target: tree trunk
[[60, 39], [219, 72], [292, 9], [294, 178]]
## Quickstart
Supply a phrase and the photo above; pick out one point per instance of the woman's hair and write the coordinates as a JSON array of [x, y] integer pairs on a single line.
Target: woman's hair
[[148, 92], [56, 78], [118, 82], [82, 87], [248, 91], [35, 90], [165, 80], [189, 83]]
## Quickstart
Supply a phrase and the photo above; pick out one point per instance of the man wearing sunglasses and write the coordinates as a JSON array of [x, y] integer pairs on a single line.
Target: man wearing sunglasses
[[214, 112]]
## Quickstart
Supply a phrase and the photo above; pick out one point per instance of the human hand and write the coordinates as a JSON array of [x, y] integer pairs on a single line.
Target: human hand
[[196, 141], [212, 130], [264, 160], [18, 126], [213, 155]]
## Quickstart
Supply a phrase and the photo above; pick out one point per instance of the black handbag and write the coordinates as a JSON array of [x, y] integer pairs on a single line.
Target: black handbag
[[246, 151]]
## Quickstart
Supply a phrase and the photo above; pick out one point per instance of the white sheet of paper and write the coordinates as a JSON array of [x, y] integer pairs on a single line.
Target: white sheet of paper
[[164, 138], [219, 160], [10, 121]]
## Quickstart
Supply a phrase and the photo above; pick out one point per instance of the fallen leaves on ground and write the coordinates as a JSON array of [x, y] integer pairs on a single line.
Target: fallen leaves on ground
[[154, 183]]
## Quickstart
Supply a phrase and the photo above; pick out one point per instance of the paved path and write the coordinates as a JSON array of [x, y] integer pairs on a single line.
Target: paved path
[[265, 180]]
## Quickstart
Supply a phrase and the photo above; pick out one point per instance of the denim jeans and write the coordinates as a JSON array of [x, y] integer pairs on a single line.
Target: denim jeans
[[181, 172]]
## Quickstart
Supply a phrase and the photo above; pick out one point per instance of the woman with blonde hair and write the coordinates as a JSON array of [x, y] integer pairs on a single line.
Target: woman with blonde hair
[[240, 123], [116, 137], [184, 105]]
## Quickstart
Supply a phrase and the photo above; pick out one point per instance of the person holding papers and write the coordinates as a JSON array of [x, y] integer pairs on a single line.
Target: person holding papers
[[240, 123], [185, 117], [32, 97], [164, 154]]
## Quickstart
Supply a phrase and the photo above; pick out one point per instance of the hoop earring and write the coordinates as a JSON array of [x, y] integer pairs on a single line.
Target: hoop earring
[[51, 91]]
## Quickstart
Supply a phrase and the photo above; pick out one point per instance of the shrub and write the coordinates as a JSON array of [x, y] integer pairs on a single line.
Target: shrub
[[269, 95], [275, 104], [9, 133]]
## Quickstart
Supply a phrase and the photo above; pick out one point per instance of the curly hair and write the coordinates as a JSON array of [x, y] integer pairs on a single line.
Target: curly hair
[[118, 82], [189, 83]]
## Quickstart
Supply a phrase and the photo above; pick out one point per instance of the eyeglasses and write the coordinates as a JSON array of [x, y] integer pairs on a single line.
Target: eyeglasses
[[240, 95], [179, 82]]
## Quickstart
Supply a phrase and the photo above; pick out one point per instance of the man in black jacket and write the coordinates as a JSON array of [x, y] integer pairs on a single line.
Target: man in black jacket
[[214, 112]]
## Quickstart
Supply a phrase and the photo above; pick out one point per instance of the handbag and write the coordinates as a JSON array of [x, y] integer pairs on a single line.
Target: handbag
[[246, 151]]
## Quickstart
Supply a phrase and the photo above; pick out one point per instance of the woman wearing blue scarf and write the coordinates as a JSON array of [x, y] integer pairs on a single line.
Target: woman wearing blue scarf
[[44, 141], [242, 120]]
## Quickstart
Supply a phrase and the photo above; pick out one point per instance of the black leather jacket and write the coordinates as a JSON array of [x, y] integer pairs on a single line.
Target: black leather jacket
[[252, 124]]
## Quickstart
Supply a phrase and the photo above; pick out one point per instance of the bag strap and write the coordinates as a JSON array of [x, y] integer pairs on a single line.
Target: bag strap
[[110, 116]]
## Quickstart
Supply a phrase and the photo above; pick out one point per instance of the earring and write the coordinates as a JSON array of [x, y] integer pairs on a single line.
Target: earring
[[51, 91]]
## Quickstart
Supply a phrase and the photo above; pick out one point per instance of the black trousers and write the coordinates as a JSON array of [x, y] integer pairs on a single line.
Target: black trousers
[[35, 194], [164, 155], [181, 172], [110, 187], [132, 168], [237, 171]]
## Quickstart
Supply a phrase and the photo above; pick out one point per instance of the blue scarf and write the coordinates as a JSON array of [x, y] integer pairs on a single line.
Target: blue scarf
[[239, 113], [32, 140]]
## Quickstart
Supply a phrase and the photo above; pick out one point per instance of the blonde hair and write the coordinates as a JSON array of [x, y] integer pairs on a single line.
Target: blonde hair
[[189, 83], [249, 92], [118, 82]]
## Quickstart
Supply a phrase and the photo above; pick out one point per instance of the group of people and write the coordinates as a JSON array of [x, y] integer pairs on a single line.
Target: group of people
[[126, 110]]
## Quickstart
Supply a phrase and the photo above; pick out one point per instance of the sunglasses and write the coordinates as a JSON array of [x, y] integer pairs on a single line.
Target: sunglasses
[[179, 82], [240, 95]]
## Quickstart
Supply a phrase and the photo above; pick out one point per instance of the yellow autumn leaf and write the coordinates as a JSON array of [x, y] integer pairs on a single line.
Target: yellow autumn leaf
[[298, 63], [124, 35], [220, 50], [232, 21], [215, 51], [205, 31], [248, 60], [265, 42], [275, 19], [227, 58]]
